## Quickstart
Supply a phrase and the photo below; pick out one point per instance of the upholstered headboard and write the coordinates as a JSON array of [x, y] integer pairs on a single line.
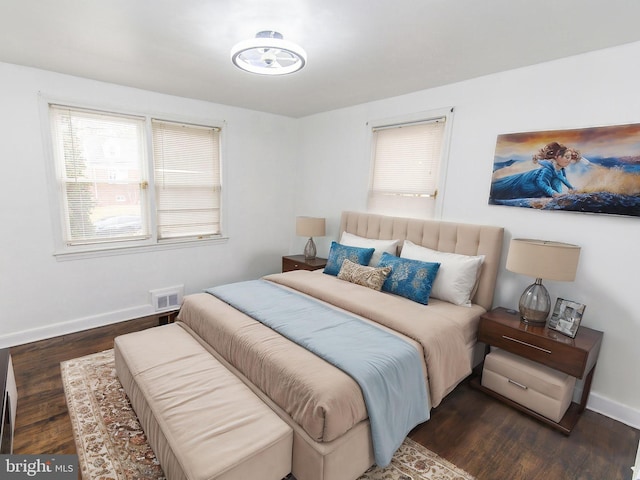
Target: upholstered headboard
[[462, 238]]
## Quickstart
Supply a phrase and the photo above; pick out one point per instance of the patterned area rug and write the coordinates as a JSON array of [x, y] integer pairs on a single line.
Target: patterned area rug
[[112, 445]]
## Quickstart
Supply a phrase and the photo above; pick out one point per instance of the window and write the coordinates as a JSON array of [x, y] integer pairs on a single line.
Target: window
[[187, 179], [407, 166], [116, 187]]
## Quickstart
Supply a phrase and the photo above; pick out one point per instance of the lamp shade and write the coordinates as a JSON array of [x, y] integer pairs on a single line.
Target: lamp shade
[[310, 227], [543, 259]]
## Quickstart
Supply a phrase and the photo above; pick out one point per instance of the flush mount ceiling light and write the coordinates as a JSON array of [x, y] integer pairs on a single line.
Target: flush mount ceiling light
[[268, 54]]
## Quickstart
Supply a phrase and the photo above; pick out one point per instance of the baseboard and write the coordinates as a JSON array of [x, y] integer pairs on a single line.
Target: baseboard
[[617, 411], [73, 326]]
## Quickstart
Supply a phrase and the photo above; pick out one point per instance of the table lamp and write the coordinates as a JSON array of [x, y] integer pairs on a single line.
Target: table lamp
[[541, 259], [310, 227]]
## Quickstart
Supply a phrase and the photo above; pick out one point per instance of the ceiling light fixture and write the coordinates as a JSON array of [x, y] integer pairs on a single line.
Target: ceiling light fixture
[[268, 54]]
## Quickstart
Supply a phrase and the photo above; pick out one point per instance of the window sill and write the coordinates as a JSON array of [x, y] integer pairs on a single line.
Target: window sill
[[128, 250]]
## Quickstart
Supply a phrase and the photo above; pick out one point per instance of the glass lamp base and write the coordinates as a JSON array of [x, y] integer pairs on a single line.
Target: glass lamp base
[[535, 304], [310, 250]]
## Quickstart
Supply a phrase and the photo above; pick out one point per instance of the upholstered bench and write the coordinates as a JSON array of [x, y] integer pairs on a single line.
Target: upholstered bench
[[202, 422]]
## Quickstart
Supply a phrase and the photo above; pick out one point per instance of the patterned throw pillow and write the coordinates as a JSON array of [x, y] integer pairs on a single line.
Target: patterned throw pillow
[[457, 276], [409, 278], [371, 277], [338, 253]]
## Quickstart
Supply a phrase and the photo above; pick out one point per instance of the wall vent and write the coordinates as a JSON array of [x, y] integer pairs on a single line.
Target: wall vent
[[167, 299]]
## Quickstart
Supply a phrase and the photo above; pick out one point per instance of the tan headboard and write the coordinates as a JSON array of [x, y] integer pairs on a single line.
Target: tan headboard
[[462, 238]]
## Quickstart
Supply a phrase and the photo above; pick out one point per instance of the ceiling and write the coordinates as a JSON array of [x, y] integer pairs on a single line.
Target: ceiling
[[358, 50]]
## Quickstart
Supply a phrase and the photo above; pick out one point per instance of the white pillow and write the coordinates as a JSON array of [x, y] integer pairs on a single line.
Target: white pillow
[[381, 246], [457, 276]]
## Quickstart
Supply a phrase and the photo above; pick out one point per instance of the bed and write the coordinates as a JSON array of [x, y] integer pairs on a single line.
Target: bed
[[324, 405]]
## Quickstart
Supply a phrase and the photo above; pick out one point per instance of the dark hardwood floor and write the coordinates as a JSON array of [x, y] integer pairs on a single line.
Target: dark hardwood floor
[[42, 420], [493, 441], [470, 429]]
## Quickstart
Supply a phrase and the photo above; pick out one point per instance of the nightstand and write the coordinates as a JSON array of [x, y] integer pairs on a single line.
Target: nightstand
[[577, 357], [167, 317], [298, 262]]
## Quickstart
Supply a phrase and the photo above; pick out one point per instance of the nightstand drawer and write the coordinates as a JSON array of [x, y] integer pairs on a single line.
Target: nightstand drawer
[[547, 351], [539, 388], [288, 265], [298, 262]]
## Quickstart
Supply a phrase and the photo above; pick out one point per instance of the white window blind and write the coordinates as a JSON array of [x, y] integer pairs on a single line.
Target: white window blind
[[100, 171], [123, 180], [187, 179], [406, 167]]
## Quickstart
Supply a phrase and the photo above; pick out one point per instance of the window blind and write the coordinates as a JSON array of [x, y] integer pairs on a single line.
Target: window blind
[[406, 159], [187, 179], [406, 164], [100, 160]]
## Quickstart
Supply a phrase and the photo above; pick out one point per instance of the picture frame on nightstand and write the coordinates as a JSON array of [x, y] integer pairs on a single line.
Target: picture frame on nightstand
[[566, 317]]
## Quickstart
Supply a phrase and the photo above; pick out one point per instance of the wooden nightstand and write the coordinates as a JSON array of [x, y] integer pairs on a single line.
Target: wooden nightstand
[[577, 357], [298, 262]]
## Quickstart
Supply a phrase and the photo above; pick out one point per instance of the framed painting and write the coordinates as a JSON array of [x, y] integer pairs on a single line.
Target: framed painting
[[594, 170]]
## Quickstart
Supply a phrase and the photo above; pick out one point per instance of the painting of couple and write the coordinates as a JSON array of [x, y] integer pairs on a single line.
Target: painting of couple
[[595, 170]]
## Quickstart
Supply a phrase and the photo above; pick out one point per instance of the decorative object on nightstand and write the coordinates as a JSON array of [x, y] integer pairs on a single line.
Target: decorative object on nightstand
[[310, 227], [566, 317], [541, 259]]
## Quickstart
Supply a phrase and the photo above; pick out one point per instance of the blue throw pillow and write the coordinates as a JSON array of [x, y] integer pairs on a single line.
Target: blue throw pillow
[[409, 278], [338, 253]]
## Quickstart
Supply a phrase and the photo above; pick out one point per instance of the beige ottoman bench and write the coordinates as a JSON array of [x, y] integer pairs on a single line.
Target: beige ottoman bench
[[202, 422], [537, 387]]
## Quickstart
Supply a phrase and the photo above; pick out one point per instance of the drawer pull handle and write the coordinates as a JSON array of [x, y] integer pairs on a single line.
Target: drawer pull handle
[[513, 382], [526, 344]]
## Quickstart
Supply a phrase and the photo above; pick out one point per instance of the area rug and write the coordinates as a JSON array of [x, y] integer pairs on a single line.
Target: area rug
[[112, 446]]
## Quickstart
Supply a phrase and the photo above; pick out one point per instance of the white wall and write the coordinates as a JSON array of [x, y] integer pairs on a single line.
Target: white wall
[[322, 172], [43, 297], [595, 89]]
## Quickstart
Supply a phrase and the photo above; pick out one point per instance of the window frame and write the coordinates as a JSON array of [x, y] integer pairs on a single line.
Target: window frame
[[61, 250], [413, 119]]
